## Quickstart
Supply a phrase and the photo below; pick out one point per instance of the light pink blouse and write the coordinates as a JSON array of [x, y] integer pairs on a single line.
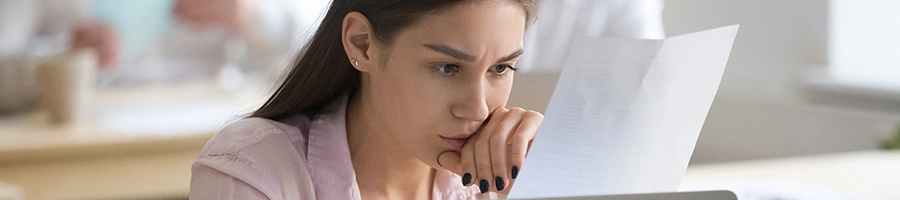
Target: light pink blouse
[[296, 158]]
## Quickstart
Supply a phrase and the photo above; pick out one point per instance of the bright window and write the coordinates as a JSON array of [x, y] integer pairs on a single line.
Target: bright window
[[864, 42]]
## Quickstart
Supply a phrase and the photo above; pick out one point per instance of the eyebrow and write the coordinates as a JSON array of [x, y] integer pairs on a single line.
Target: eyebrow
[[446, 50]]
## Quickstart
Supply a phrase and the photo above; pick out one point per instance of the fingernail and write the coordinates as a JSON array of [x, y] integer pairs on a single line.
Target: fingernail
[[515, 172], [499, 182], [483, 186], [466, 179]]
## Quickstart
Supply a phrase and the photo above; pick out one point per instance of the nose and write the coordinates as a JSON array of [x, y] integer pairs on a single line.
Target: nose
[[472, 103]]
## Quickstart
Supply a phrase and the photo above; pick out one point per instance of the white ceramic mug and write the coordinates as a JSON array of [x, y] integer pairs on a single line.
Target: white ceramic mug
[[67, 84]]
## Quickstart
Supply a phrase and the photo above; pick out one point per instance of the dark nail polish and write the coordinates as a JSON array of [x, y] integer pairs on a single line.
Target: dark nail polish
[[499, 182], [515, 172], [466, 179], [483, 186]]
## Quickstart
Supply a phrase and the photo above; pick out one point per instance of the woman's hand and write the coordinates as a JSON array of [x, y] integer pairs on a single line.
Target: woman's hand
[[98, 36], [492, 157]]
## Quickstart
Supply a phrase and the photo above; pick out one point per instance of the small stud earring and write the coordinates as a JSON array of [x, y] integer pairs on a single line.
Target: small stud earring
[[355, 62]]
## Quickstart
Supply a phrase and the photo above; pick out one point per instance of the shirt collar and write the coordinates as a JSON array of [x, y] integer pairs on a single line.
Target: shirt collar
[[328, 154]]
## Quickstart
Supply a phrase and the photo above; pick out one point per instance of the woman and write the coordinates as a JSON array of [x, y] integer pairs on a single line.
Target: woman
[[390, 99]]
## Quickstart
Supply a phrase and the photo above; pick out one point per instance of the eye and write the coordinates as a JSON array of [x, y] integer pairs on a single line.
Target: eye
[[502, 69], [446, 69]]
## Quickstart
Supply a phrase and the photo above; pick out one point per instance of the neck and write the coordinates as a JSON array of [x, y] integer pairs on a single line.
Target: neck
[[383, 169]]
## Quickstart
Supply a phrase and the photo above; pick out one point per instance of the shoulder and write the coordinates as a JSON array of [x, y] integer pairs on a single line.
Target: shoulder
[[237, 137], [259, 152]]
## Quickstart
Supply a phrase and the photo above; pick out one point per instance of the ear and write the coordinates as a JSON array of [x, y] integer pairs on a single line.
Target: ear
[[357, 36]]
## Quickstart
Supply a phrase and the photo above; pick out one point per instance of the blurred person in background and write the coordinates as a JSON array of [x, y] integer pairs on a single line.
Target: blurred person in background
[[561, 23], [215, 36], [219, 39], [31, 29], [271, 27], [140, 41], [269, 32]]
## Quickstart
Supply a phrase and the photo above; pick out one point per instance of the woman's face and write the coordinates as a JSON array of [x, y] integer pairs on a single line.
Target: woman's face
[[441, 77]]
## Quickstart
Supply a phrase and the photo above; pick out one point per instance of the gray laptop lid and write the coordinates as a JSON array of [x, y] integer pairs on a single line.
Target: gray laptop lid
[[698, 195]]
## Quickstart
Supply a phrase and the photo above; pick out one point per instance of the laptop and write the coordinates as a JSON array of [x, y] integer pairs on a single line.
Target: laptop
[[693, 195]]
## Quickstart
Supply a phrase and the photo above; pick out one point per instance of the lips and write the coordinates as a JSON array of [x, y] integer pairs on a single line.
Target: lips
[[456, 142]]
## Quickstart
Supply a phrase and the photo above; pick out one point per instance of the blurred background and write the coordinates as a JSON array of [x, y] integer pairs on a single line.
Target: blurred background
[[110, 99]]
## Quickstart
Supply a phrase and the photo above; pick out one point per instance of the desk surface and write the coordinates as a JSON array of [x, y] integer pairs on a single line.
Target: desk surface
[[10, 192], [867, 175], [27, 137], [87, 160]]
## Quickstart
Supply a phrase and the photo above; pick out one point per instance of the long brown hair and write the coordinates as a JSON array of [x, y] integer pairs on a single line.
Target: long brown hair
[[322, 71]]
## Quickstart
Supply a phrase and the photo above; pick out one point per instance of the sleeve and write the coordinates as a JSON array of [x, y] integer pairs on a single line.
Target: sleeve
[[209, 183]]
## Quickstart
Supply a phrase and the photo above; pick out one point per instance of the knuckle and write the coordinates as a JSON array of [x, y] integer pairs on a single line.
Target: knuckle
[[532, 113], [498, 138], [518, 137], [498, 166], [517, 157], [499, 114], [516, 154], [467, 166], [517, 109], [484, 170]]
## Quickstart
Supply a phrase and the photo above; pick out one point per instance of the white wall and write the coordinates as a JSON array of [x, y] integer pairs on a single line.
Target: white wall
[[759, 111], [865, 40], [777, 40]]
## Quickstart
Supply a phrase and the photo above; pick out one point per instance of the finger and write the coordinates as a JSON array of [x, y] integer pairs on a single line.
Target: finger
[[450, 160], [521, 139], [483, 151], [498, 146], [468, 161]]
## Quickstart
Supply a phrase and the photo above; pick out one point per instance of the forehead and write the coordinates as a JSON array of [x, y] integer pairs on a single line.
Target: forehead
[[478, 27]]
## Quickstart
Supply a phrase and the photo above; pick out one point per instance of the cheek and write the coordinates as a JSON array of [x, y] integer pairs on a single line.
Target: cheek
[[413, 109], [499, 95], [408, 100]]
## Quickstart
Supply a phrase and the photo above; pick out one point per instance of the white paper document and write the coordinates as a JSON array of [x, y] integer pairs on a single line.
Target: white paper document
[[625, 115]]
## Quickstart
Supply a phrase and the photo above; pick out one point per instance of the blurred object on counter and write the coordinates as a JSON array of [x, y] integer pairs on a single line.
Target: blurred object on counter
[[67, 84]]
